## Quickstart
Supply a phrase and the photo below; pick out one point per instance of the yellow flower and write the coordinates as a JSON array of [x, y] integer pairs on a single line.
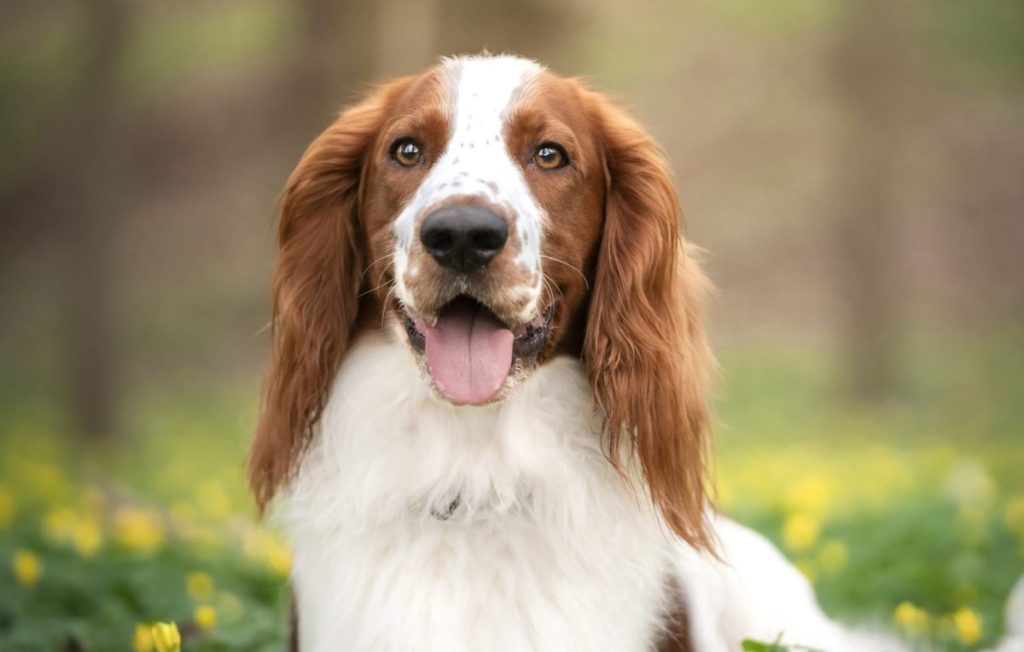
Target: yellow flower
[[968, 625], [59, 523], [87, 537], [166, 637], [199, 585], [143, 639], [27, 567], [264, 546], [812, 495], [8, 507], [205, 617], [911, 618], [800, 531], [138, 529], [279, 559], [833, 556]]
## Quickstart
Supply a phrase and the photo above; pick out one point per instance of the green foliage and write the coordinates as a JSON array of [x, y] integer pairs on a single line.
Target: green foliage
[[96, 600], [978, 43], [750, 645], [907, 516], [95, 540], [205, 41]]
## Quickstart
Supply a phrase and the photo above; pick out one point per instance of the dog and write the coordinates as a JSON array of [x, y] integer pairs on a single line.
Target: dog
[[485, 416]]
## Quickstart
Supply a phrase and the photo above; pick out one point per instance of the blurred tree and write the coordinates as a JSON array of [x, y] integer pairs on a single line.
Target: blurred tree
[[345, 45], [868, 62], [333, 59], [405, 39], [531, 28], [70, 206], [85, 218], [91, 210]]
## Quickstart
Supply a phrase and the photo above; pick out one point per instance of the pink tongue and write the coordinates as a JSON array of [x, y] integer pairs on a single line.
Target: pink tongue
[[469, 353]]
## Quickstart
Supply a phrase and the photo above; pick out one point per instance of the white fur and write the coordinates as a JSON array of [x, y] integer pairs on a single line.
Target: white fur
[[476, 162], [754, 592], [548, 549], [1013, 640]]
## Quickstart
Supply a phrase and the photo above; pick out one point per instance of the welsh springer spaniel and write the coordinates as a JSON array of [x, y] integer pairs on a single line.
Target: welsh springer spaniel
[[485, 409]]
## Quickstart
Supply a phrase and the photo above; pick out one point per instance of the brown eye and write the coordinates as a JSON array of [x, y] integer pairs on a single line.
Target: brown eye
[[550, 157], [407, 153]]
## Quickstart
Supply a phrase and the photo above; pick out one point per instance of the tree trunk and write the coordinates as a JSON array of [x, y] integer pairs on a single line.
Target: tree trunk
[[333, 61], [90, 210], [867, 65]]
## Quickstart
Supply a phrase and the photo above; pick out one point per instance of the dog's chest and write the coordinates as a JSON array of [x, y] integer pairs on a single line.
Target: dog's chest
[[418, 526], [487, 588]]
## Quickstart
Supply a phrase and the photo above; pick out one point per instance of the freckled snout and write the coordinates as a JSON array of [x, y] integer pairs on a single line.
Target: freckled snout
[[463, 238]]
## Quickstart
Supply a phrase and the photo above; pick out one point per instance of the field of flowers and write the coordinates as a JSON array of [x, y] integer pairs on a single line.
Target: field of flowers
[[909, 516]]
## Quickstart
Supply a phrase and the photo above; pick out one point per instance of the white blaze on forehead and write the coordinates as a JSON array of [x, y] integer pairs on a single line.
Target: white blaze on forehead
[[476, 161]]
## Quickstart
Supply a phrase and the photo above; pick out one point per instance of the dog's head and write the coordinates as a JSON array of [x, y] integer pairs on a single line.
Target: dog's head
[[492, 215]]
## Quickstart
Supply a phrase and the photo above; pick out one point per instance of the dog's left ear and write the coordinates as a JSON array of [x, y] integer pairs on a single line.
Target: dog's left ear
[[316, 288], [645, 349]]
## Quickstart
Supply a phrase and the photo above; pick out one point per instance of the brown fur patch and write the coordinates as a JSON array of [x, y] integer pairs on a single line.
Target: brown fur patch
[[325, 242]]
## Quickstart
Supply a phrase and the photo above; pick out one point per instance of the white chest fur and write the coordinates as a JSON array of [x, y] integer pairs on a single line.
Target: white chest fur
[[547, 549]]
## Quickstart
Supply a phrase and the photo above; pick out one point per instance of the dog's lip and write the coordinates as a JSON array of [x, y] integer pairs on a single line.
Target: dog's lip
[[524, 332]]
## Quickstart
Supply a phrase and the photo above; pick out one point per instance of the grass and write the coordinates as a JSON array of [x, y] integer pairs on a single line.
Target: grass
[[908, 516]]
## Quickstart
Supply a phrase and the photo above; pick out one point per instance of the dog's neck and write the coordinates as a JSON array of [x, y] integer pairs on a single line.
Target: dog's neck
[[399, 453]]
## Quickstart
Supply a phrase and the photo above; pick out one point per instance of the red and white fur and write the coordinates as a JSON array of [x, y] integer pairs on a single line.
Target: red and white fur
[[508, 455]]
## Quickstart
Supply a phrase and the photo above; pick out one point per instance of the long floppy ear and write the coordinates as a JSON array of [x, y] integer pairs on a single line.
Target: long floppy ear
[[645, 349], [315, 288]]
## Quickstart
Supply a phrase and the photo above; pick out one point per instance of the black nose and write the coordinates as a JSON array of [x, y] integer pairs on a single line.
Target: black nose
[[463, 238]]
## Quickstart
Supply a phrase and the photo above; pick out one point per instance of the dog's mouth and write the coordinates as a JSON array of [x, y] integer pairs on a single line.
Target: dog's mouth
[[470, 352]]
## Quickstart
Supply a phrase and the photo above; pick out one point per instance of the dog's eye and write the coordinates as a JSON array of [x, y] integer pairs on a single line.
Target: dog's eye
[[406, 153], [550, 156]]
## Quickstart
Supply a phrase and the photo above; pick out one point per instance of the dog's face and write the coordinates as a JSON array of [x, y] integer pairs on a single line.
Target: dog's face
[[483, 202], [490, 215]]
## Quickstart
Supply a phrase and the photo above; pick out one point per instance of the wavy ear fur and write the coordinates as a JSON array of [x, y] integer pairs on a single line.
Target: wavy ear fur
[[645, 349], [316, 282]]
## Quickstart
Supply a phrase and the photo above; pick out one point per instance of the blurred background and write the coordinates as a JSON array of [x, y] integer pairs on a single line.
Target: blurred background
[[854, 169]]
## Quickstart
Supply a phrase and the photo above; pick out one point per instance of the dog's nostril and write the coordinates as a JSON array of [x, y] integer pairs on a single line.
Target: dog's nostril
[[463, 238], [438, 240], [487, 239]]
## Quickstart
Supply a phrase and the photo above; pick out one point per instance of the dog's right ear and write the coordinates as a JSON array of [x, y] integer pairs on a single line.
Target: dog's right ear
[[645, 349], [316, 278]]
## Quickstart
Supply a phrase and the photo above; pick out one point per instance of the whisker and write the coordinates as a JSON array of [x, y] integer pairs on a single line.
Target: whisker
[[551, 286], [379, 283], [391, 255], [371, 290], [382, 273], [384, 305], [586, 283], [549, 290], [547, 285], [549, 295]]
